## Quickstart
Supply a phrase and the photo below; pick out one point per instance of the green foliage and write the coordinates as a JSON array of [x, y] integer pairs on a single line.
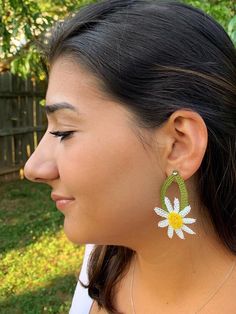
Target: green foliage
[[232, 29], [223, 11], [38, 264], [22, 24], [27, 62]]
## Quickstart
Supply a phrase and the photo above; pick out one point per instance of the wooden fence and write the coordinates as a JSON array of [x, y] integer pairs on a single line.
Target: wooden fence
[[22, 122]]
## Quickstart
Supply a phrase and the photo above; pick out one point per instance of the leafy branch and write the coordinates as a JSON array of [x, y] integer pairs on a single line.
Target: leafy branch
[[24, 22]]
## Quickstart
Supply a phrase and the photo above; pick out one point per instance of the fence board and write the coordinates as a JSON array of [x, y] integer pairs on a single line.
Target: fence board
[[22, 121]]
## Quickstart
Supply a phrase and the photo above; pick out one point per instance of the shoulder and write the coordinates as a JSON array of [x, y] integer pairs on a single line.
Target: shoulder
[[94, 309], [225, 297]]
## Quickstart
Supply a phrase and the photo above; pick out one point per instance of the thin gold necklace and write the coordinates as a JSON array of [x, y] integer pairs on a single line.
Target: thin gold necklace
[[201, 307]]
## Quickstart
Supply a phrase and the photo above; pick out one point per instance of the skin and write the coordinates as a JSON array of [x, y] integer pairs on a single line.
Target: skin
[[115, 182]]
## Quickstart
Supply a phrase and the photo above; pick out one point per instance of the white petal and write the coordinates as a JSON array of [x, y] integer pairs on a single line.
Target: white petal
[[168, 204], [185, 211], [170, 232], [163, 223], [161, 212], [188, 230], [176, 205], [179, 232], [189, 220]]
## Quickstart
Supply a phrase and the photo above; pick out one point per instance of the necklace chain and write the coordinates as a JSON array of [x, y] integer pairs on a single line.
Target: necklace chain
[[201, 307]]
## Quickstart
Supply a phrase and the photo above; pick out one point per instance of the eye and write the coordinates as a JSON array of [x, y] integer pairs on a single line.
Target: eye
[[62, 135]]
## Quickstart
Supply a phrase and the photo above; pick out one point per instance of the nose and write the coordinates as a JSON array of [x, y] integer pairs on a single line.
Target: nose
[[41, 166]]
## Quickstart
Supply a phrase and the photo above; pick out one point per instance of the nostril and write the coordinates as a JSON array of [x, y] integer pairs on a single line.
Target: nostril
[[31, 171], [40, 171]]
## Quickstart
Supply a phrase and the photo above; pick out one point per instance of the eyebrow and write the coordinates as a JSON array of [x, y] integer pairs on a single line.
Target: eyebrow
[[49, 109]]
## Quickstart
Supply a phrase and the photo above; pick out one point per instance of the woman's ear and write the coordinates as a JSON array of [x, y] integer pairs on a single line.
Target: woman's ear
[[187, 142]]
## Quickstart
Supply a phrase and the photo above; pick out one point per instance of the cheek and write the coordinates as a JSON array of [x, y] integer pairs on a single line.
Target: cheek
[[111, 179], [92, 160]]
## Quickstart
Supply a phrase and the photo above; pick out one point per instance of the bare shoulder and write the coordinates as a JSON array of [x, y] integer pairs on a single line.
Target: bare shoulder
[[120, 299], [225, 297], [95, 310]]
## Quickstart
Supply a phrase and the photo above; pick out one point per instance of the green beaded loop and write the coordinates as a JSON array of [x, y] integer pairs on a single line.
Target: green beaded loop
[[183, 191]]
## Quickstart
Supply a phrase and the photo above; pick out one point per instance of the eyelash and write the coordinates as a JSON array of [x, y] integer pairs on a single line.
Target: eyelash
[[62, 135]]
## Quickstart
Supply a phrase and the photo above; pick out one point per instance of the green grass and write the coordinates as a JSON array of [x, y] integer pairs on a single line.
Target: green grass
[[39, 266]]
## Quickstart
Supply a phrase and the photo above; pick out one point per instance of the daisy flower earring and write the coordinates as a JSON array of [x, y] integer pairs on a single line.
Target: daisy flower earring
[[175, 215]]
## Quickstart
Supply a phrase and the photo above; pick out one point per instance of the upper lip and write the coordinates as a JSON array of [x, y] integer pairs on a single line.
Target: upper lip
[[56, 197]]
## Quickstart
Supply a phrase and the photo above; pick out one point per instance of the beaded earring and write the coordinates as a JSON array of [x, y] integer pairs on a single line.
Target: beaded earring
[[175, 217]]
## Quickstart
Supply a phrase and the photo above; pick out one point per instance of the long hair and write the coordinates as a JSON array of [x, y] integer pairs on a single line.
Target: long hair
[[156, 57]]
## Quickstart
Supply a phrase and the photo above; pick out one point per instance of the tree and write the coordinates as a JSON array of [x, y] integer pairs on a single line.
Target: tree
[[224, 11], [23, 22]]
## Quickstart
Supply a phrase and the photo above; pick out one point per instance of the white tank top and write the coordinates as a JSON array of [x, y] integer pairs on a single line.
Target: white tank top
[[81, 302]]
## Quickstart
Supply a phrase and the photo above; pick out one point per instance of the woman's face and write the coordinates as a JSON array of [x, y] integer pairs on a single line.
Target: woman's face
[[102, 166]]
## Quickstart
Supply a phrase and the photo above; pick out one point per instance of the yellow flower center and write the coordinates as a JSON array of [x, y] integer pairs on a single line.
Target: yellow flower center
[[175, 220]]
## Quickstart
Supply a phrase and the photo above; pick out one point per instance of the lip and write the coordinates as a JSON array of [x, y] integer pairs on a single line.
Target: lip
[[61, 201]]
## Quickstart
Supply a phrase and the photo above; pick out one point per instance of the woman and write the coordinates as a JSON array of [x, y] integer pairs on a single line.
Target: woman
[[140, 153]]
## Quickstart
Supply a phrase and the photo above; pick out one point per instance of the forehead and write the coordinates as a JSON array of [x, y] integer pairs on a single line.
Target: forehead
[[68, 77], [70, 83]]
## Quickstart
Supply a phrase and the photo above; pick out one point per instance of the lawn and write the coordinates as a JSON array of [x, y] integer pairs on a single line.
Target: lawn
[[39, 267]]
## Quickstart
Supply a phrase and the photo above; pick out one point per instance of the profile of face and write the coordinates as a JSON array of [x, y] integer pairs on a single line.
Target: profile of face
[[99, 162]]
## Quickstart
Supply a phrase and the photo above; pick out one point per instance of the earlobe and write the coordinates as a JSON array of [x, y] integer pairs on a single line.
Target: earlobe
[[189, 133]]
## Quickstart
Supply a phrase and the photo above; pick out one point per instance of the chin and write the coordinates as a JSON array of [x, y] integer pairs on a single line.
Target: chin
[[70, 233], [77, 234]]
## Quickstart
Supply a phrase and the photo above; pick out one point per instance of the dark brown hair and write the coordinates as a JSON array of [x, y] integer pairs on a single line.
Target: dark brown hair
[[156, 57]]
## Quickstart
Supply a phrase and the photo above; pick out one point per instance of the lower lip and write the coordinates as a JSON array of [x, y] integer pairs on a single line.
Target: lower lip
[[62, 204]]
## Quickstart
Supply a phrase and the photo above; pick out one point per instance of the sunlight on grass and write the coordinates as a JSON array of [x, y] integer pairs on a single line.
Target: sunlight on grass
[[39, 266], [35, 265]]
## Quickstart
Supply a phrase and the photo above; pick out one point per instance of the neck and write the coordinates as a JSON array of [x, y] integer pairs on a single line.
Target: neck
[[171, 271]]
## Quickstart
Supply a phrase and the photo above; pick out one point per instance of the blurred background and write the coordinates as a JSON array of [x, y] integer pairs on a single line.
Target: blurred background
[[39, 267]]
